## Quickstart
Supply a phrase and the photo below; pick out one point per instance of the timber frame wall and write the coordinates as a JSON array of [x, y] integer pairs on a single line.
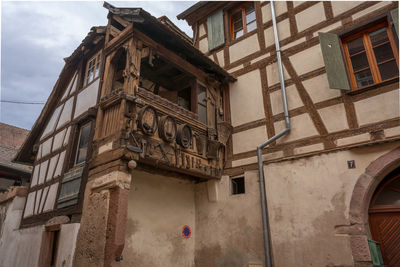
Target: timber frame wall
[[297, 39]]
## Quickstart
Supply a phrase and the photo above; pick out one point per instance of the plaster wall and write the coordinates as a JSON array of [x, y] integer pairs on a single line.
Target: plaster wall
[[310, 16], [228, 227], [280, 8], [87, 98], [283, 32], [339, 7], [159, 207], [67, 244], [16, 247], [293, 99], [319, 90], [21, 247], [302, 127], [249, 140], [246, 99], [203, 45], [307, 199], [313, 57], [334, 118], [387, 104], [244, 48]]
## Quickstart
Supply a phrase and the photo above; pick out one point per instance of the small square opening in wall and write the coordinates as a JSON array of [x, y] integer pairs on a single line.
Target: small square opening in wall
[[237, 185]]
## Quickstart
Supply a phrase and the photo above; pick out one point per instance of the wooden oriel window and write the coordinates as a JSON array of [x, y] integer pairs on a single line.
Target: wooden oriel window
[[242, 20], [372, 56], [92, 69]]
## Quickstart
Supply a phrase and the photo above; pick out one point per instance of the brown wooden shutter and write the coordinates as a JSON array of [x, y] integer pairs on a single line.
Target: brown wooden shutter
[[334, 63], [215, 26], [395, 19]]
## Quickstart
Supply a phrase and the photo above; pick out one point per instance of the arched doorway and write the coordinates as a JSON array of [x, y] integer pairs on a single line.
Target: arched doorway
[[384, 218]]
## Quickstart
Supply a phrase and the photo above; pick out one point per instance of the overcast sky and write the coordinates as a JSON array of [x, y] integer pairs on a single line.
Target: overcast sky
[[36, 36]]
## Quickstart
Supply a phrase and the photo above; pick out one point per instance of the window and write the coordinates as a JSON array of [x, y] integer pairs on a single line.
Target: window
[[202, 104], [371, 56], [93, 68], [82, 146], [365, 57], [237, 185], [242, 20]]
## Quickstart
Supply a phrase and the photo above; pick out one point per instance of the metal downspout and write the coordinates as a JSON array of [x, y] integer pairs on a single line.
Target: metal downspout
[[264, 208]]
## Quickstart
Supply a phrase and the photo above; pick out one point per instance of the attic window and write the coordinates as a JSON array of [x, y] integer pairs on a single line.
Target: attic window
[[237, 185]]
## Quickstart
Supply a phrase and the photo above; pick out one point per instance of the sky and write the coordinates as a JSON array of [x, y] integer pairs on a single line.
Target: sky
[[36, 36]]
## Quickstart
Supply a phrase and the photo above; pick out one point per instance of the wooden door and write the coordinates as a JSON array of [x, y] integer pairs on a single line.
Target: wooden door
[[384, 220]]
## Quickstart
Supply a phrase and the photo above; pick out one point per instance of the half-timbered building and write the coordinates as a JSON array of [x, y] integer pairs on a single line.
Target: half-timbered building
[[272, 137]]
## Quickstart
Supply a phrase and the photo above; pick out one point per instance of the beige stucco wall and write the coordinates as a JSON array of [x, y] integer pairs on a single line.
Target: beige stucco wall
[[307, 199], [249, 140], [378, 108], [159, 207], [21, 247], [246, 99], [16, 246], [67, 244], [229, 228], [244, 48]]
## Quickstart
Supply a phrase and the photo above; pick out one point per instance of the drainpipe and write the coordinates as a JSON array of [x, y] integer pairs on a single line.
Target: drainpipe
[[264, 208]]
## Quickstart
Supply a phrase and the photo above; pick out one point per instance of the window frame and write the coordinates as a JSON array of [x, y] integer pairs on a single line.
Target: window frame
[[236, 189], [76, 145], [233, 11], [372, 62], [96, 58]]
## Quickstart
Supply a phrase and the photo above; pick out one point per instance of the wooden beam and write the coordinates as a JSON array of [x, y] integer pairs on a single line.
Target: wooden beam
[[179, 62]]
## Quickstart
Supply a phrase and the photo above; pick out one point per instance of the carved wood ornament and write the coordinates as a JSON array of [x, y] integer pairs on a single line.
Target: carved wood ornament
[[148, 120], [167, 130]]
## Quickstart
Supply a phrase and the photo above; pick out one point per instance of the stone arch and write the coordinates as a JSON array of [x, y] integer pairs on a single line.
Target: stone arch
[[362, 193]]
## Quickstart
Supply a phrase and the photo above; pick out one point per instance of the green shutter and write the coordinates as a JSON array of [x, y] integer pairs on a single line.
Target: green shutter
[[395, 18], [70, 185], [215, 26], [334, 62]]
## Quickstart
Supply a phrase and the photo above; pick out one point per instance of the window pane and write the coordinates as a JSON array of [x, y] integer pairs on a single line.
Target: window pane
[[89, 76], [364, 78], [237, 26], [96, 73], [249, 8], [359, 61], [389, 70], [251, 26], [238, 34], [202, 113], [237, 16], [201, 97], [383, 52], [250, 17], [388, 197], [378, 36], [83, 144], [355, 46]]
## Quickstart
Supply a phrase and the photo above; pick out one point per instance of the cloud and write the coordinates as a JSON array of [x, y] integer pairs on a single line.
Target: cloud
[[36, 36]]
